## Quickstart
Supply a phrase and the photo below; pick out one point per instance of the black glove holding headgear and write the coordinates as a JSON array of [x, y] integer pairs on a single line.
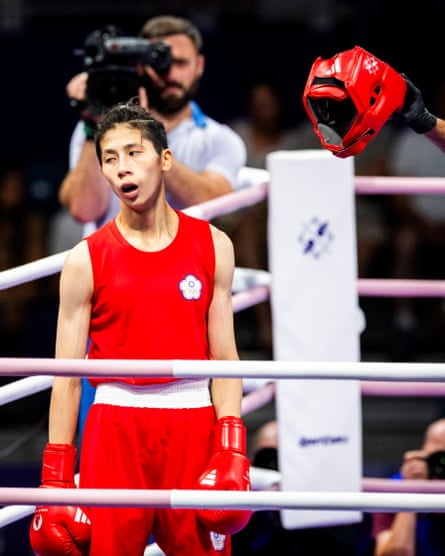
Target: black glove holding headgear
[[414, 112]]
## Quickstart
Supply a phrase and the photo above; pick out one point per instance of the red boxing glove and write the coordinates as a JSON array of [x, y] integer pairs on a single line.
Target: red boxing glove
[[228, 469], [59, 530]]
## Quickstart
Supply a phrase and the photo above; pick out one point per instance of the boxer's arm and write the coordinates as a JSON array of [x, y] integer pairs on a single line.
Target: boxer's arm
[[84, 192], [65, 529], [228, 467], [226, 392], [76, 286]]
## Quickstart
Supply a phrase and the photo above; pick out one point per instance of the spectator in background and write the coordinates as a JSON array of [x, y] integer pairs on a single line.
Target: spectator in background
[[264, 535], [418, 228], [22, 240], [63, 232], [410, 533], [23, 235], [264, 129]]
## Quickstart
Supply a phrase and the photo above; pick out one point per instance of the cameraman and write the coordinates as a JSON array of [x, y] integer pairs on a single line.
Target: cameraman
[[408, 533], [207, 154]]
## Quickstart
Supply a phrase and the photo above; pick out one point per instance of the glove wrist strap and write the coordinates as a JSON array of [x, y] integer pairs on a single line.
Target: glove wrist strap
[[59, 461], [229, 434]]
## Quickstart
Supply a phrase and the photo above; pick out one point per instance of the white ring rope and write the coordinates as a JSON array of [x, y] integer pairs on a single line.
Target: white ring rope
[[265, 479], [32, 271], [18, 389], [223, 499], [11, 514], [260, 479], [254, 188], [24, 387], [196, 368], [53, 264], [253, 284], [259, 392], [230, 202]]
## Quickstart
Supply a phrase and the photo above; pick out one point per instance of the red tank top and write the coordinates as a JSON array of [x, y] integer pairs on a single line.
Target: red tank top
[[151, 305]]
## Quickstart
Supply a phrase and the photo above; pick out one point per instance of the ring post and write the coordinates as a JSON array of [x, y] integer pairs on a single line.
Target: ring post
[[316, 316]]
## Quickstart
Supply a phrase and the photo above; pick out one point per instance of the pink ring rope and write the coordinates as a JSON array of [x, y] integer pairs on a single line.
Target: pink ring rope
[[192, 369], [388, 185]]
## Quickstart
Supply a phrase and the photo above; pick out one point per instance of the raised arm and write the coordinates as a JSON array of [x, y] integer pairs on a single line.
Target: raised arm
[[437, 134], [222, 154], [188, 187], [84, 191], [417, 116], [400, 537]]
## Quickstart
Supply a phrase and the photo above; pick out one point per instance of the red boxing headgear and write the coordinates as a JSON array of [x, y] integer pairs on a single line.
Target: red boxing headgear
[[349, 97]]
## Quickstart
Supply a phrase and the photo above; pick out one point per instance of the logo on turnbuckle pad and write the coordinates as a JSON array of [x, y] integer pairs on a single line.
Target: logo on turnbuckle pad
[[315, 237]]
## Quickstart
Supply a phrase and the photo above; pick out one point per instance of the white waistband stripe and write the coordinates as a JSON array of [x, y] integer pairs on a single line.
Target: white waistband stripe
[[185, 393]]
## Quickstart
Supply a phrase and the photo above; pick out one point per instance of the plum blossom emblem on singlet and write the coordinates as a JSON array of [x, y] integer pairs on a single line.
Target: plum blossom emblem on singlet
[[190, 287]]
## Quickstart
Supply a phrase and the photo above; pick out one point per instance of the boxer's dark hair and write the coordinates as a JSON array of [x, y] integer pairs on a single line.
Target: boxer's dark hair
[[136, 117]]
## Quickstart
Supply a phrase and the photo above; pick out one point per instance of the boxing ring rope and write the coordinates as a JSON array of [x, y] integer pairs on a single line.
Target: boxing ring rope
[[22, 501], [253, 189], [250, 287], [256, 396], [199, 368], [388, 185], [226, 499]]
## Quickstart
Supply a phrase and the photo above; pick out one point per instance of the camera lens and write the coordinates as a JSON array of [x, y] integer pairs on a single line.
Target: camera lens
[[436, 465], [158, 56]]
